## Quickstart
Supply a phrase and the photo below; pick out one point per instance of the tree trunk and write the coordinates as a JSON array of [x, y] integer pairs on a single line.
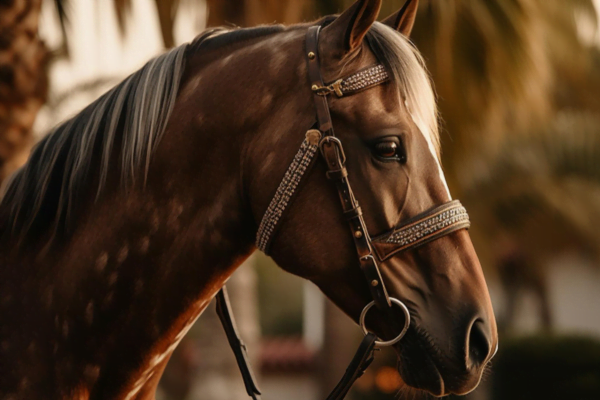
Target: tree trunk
[[23, 80]]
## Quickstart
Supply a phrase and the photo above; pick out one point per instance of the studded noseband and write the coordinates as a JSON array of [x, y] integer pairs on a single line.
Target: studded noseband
[[420, 229]]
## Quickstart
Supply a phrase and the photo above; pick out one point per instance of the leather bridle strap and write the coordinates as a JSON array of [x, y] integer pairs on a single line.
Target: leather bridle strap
[[333, 153], [360, 362], [420, 229], [237, 345], [423, 228]]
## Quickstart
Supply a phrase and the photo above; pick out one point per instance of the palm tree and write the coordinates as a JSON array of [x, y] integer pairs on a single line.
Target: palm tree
[[254, 12], [496, 65], [24, 60], [23, 81]]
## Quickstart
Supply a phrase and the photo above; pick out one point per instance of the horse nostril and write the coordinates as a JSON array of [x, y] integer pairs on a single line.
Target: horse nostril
[[479, 343]]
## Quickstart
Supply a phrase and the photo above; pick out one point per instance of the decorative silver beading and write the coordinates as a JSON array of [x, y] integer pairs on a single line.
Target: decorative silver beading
[[364, 79], [427, 227], [286, 188]]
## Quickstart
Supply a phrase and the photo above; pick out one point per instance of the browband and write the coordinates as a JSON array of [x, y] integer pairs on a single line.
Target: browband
[[362, 80]]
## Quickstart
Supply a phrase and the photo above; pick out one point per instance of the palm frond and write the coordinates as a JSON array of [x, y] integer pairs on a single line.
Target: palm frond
[[122, 10], [62, 51], [545, 188], [496, 65], [61, 11], [167, 11]]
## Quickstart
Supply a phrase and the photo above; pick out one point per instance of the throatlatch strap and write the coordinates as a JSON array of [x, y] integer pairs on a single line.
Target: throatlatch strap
[[236, 343], [287, 189]]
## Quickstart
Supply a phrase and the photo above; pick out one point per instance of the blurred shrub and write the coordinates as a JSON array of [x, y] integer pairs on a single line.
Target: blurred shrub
[[280, 298], [547, 367]]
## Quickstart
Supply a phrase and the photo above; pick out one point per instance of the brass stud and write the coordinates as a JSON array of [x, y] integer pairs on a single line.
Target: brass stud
[[358, 234], [313, 136], [374, 282], [315, 88], [311, 55]]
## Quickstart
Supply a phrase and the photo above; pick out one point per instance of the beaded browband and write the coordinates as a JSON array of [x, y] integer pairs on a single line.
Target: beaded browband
[[362, 80]]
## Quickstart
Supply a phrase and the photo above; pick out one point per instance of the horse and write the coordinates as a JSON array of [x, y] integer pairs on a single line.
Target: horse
[[128, 218]]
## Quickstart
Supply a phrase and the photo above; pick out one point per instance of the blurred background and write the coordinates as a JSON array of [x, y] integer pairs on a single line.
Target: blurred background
[[519, 90]]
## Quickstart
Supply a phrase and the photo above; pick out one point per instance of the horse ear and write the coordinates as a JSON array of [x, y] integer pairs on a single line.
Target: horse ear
[[403, 20], [347, 31]]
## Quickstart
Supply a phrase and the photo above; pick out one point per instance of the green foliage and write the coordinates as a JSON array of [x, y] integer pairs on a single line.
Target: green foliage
[[548, 368]]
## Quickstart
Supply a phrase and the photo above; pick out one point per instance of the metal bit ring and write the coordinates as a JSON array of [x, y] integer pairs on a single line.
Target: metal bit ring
[[382, 343]]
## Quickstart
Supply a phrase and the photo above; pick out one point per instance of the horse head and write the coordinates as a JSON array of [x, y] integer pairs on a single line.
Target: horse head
[[391, 160]]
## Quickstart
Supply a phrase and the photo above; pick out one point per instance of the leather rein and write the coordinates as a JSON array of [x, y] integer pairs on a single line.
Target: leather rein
[[423, 228]]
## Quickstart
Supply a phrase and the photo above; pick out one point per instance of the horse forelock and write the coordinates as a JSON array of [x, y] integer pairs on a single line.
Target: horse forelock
[[407, 68]]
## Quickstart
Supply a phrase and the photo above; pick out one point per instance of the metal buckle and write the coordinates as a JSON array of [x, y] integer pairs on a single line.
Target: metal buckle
[[335, 87], [329, 140], [382, 343]]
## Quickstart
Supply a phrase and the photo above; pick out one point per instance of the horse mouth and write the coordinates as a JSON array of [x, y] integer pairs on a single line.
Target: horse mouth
[[420, 369], [427, 377]]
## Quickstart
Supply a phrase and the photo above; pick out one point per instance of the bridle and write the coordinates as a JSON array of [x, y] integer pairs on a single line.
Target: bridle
[[420, 229]]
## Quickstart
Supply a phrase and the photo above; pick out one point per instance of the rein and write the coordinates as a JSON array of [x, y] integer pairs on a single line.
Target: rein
[[423, 228]]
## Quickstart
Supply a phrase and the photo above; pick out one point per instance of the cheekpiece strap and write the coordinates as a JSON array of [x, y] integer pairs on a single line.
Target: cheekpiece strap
[[316, 80], [333, 153]]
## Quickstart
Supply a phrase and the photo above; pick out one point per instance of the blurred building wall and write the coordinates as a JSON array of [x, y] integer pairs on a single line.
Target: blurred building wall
[[573, 286]]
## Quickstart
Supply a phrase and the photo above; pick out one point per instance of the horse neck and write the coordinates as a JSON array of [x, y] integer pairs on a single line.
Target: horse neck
[[139, 265]]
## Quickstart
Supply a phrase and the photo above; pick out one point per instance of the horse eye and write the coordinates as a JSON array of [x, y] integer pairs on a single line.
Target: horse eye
[[389, 150], [386, 149]]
